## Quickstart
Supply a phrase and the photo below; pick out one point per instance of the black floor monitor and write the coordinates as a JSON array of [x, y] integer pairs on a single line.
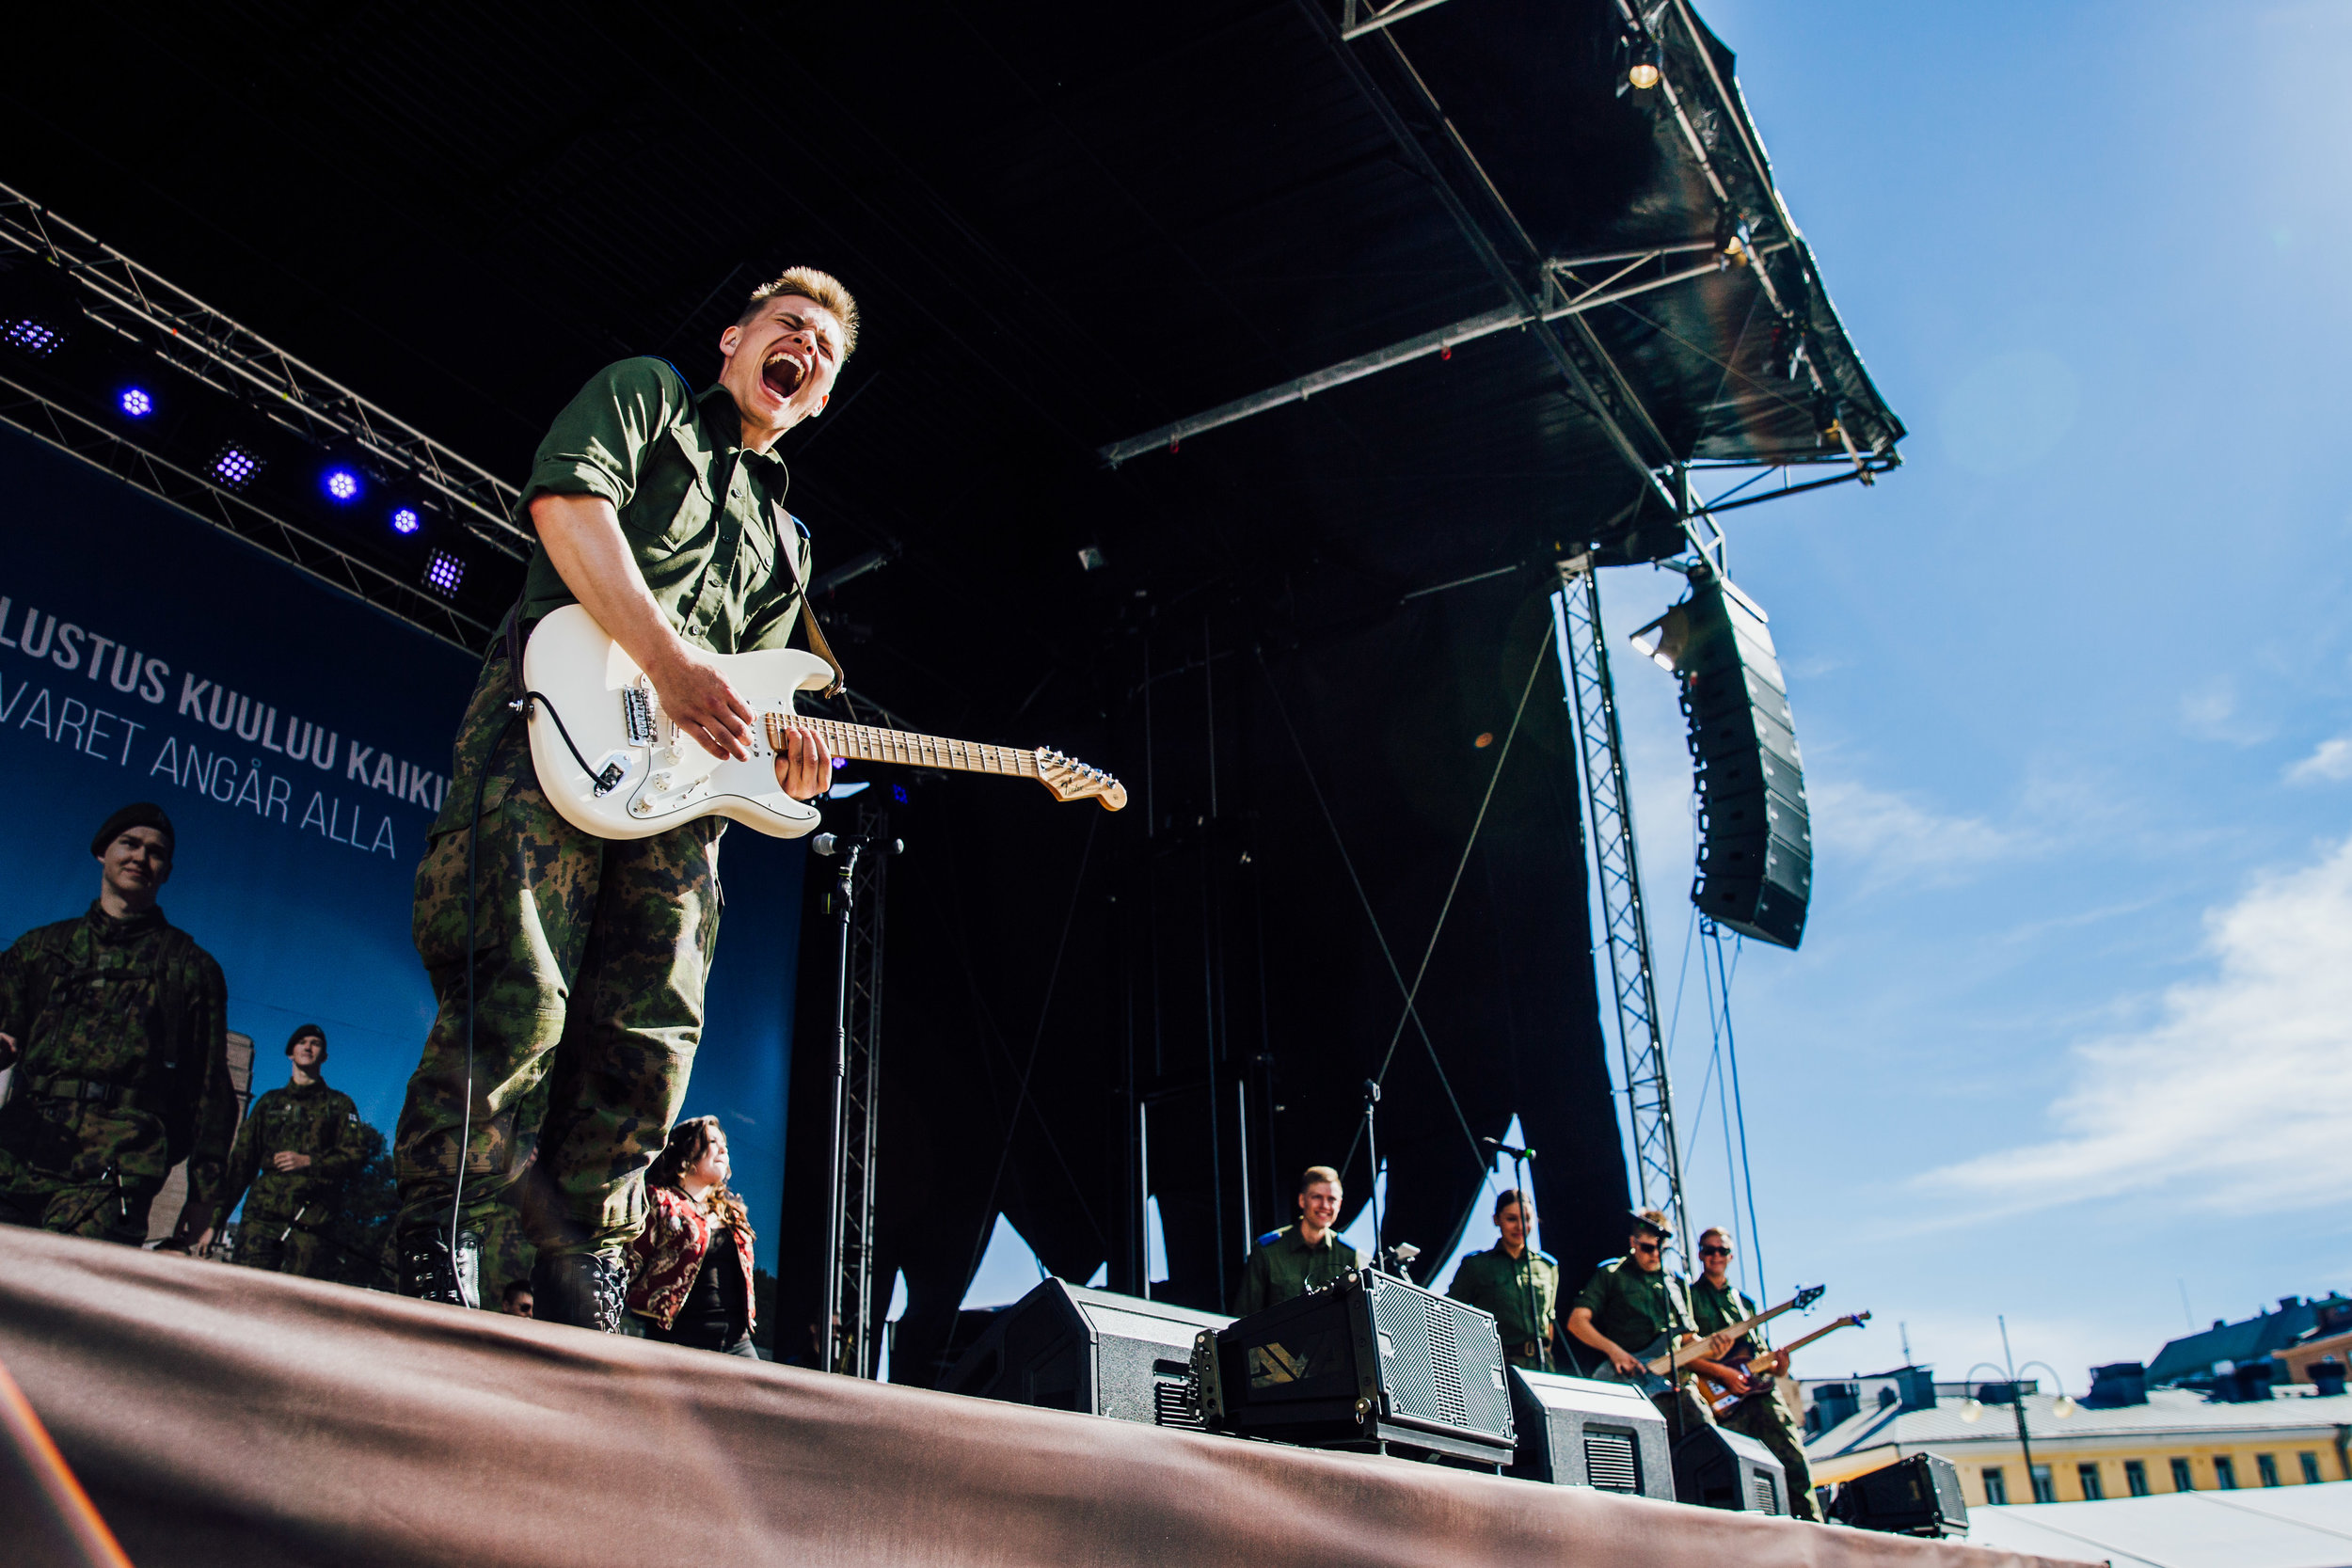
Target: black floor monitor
[[1715, 1469], [1915, 1496], [1581, 1431], [1066, 1347]]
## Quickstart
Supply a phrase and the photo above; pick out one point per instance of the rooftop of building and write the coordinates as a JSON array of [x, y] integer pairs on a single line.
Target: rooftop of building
[[2169, 1412], [2287, 1527], [2249, 1339]]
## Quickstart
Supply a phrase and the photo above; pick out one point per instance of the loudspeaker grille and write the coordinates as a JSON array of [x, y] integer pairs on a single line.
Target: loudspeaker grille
[[1609, 1462], [1172, 1406], [1764, 1494]]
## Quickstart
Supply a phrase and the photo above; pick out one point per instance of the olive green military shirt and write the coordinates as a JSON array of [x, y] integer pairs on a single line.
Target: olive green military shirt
[[703, 513], [1633, 1307], [1282, 1265], [1496, 1282], [123, 1028], [300, 1119], [1717, 1309]]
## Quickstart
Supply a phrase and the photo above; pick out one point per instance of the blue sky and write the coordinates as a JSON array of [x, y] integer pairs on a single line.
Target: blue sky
[[2067, 1037], [2066, 1040]]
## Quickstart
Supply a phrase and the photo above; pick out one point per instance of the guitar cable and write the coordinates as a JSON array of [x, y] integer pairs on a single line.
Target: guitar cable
[[518, 707]]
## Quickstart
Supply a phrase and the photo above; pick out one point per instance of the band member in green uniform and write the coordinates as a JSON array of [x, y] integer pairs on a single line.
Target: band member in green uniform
[[1629, 1304], [567, 1024], [1516, 1283], [117, 1024], [1299, 1257], [1718, 1304], [298, 1147]]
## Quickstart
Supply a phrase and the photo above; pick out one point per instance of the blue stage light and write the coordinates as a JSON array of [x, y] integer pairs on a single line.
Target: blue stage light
[[137, 403], [341, 486], [405, 520], [34, 336], [235, 467], [443, 573]]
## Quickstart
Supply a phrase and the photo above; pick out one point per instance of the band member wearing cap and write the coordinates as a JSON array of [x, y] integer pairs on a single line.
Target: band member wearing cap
[[1517, 1284], [1632, 1303], [117, 1024], [298, 1147], [1299, 1257]]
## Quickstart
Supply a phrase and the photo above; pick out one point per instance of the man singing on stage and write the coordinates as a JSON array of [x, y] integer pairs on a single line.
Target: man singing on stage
[[662, 511]]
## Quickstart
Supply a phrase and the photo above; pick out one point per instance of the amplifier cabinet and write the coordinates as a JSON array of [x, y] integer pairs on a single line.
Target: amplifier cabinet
[[1917, 1494], [1370, 1361], [1065, 1347], [1581, 1431], [1715, 1469]]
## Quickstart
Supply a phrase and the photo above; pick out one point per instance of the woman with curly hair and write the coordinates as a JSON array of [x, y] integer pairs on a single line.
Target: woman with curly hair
[[690, 1268]]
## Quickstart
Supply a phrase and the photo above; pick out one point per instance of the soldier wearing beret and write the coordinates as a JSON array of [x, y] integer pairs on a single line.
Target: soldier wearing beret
[[298, 1147], [1299, 1257], [1516, 1282], [117, 1024]]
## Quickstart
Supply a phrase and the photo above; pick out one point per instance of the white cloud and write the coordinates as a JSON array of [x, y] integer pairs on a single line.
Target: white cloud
[[2238, 1096], [2331, 763], [1896, 839]]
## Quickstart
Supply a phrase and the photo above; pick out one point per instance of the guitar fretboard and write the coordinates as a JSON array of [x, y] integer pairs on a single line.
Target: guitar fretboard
[[869, 743]]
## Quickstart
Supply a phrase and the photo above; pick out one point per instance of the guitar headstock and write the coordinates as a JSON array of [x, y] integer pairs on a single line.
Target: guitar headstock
[[1071, 779], [1807, 1295], [1855, 1319]]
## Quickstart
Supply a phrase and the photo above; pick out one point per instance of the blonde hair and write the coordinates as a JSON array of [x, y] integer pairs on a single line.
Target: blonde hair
[[1314, 1174], [822, 288], [690, 1140]]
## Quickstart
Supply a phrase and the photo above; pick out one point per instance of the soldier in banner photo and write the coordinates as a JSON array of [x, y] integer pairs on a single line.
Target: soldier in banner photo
[[298, 1147], [569, 970], [116, 1023]]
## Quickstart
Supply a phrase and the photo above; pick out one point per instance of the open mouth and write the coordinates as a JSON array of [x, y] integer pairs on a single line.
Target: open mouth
[[784, 375]]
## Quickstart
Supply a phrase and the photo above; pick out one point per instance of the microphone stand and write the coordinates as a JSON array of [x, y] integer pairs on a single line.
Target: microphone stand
[[1372, 1145], [844, 895], [1527, 1242]]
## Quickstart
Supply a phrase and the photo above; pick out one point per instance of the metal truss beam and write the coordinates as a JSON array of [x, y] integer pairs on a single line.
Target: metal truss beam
[[1356, 22], [22, 408], [1558, 306], [1584, 655], [145, 308]]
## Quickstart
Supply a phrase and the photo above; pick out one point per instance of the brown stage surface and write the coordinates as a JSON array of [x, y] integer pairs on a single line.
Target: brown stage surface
[[218, 1416]]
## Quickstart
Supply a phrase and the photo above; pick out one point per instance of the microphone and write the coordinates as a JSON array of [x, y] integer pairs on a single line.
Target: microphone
[[829, 844], [1502, 1147], [1371, 1090]]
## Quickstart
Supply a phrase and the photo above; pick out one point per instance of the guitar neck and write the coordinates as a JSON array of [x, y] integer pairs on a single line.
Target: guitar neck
[[1682, 1355], [870, 743], [1795, 1345]]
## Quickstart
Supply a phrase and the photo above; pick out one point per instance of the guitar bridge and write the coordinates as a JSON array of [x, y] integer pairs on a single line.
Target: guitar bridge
[[636, 719]]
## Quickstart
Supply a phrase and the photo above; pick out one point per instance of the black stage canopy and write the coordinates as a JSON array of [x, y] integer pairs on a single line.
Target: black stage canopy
[[1073, 227]]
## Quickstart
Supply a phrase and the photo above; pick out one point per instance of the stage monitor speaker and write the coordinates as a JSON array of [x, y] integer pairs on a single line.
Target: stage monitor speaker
[[1715, 1469], [1756, 843], [1370, 1361], [1915, 1496], [1581, 1431], [1065, 1347]]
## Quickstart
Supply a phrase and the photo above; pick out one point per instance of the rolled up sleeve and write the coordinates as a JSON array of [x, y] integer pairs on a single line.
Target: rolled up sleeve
[[598, 445]]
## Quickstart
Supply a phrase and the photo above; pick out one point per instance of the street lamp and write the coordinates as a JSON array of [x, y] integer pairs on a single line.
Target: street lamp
[[1973, 1410]]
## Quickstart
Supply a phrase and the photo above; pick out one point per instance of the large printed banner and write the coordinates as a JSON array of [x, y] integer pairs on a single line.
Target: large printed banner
[[300, 741]]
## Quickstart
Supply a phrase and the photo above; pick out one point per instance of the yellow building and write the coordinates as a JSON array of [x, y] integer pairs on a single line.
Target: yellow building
[[2177, 1441]]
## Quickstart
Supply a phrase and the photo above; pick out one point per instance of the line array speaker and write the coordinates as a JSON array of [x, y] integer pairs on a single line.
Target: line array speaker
[[1370, 1361], [1755, 851], [1580, 1431], [1065, 1347]]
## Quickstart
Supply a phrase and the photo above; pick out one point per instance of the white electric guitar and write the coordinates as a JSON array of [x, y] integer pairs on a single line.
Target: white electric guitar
[[643, 777]]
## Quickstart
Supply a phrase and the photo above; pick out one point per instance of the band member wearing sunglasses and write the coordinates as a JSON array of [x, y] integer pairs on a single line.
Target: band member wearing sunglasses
[[1719, 1304]]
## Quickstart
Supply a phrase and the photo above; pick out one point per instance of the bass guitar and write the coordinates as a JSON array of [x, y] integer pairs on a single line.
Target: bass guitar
[[615, 765], [1722, 1400], [1663, 1359]]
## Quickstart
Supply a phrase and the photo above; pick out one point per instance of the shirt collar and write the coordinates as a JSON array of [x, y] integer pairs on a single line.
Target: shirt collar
[[723, 423], [111, 929]]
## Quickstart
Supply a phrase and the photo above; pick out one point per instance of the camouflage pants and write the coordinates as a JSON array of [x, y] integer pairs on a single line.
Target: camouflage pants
[[79, 1170], [589, 961], [275, 1242], [102, 1213], [1767, 1420]]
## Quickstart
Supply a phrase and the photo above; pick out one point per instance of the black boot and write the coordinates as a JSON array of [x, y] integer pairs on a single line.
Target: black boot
[[430, 1271], [584, 1289]]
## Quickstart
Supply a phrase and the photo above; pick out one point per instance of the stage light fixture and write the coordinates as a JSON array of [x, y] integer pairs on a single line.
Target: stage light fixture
[[443, 573], [137, 403], [1645, 73], [1663, 639], [405, 520], [341, 486], [34, 337], [234, 467]]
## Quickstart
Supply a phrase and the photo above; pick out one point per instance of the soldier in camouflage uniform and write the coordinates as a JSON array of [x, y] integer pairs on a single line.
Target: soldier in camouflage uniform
[[1516, 1283], [570, 1026], [298, 1147], [117, 1024]]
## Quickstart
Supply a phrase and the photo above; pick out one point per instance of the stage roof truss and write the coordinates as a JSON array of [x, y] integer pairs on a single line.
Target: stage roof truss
[[47, 421], [1358, 17], [142, 306]]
